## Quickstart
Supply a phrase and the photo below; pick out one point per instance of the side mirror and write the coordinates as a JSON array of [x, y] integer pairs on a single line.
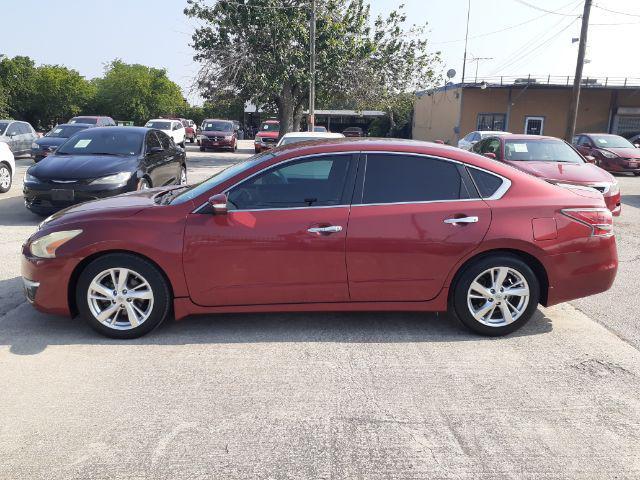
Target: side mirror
[[490, 155], [590, 159], [154, 150], [219, 203]]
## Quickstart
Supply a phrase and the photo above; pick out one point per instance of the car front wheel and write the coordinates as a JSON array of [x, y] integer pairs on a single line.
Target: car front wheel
[[496, 295], [5, 178], [123, 296]]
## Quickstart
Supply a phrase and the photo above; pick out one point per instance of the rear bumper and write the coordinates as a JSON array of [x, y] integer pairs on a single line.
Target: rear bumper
[[578, 274]]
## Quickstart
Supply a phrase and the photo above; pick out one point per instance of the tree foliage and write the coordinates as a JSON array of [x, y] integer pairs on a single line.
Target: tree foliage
[[258, 50], [137, 92]]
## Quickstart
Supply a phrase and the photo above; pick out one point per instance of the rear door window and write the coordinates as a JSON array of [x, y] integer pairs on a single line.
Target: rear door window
[[411, 178]]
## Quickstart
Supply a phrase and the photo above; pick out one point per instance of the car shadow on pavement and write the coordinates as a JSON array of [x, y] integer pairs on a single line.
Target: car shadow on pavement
[[15, 214], [28, 332], [631, 200]]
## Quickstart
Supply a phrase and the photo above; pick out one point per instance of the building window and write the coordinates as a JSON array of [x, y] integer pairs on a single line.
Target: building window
[[491, 121]]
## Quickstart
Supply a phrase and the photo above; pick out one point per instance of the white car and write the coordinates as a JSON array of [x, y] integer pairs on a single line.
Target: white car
[[295, 137], [474, 137], [7, 167], [173, 128]]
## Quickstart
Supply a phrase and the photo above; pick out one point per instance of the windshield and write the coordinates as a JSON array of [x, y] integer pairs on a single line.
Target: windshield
[[540, 150], [89, 120], [159, 125], [270, 127], [109, 141], [64, 131], [220, 177], [611, 141], [3, 127], [218, 126]]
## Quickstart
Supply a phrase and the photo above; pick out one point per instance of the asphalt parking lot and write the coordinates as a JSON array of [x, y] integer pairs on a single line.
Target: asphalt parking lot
[[319, 396]]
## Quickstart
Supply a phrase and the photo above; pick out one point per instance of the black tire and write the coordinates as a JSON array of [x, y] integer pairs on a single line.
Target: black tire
[[202, 149], [5, 170], [159, 286], [191, 140], [257, 150], [458, 304], [636, 174]]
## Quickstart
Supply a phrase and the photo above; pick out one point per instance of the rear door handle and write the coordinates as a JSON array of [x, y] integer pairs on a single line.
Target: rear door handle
[[327, 230], [455, 221]]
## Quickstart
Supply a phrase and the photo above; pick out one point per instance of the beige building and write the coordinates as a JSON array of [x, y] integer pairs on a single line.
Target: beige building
[[525, 106]]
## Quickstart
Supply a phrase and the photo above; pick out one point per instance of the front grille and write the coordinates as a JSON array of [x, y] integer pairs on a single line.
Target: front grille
[[270, 140]]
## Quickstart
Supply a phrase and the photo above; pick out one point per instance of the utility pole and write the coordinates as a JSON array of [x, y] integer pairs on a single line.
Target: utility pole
[[312, 86], [577, 81], [466, 38], [478, 60]]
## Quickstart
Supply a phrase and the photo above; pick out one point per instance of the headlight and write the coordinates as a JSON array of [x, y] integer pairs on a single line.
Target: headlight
[[116, 179], [35, 145], [608, 154], [28, 178], [258, 139], [45, 247]]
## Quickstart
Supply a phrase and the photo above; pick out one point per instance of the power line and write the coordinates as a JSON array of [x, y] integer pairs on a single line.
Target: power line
[[554, 12], [616, 12]]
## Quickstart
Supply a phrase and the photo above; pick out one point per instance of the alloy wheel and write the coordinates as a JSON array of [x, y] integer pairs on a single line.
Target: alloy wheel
[[5, 178], [498, 296], [120, 298]]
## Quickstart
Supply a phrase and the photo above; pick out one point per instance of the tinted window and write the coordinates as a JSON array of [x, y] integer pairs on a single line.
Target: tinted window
[[96, 141], [397, 178], [487, 183], [159, 125], [64, 131], [89, 120], [313, 182], [611, 141], [165, 141], [152, 141], [22, 128], [270, 127]]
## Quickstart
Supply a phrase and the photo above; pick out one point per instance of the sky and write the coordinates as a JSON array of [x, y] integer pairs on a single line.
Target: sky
[[84, 35]]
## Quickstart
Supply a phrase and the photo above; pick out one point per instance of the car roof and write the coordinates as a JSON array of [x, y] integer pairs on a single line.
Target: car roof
[[601, 134], [91, 116], [217, 120], [163, 120], [313, 134], [522, 136], [271, 120], [74, 125]]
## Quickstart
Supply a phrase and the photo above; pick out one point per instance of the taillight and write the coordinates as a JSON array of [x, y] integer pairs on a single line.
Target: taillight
[[599, 220]]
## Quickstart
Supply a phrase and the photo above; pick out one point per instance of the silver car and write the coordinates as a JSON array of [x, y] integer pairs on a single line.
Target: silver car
[[18, 135], [474, 137]]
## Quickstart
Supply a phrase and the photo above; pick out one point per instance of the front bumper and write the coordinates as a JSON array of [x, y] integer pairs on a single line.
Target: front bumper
[[209, 143], [265, 145], [46, 282], [46, 198]]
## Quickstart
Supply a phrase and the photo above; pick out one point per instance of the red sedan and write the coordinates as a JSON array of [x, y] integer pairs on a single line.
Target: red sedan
[[334, 226], [553, 160], [611, 152]]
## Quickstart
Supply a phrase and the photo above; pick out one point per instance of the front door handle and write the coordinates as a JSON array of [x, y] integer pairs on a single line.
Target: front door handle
[[325, 230], [455, 221]]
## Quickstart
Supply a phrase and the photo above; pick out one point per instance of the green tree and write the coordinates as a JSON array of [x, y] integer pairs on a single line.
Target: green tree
[[258, 50], [17, 82], [137, 92]]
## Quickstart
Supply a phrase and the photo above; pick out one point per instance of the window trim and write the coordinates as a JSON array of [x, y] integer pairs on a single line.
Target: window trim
[[359, 158]]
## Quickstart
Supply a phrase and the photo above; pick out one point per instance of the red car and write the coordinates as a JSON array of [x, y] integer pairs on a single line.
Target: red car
[[611, 152], [268, 136], [353, 132], [552, 160], [334, 226], [218, 134]]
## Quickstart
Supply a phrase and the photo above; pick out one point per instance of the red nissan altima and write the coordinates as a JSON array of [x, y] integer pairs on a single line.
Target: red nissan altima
[[331, 226]]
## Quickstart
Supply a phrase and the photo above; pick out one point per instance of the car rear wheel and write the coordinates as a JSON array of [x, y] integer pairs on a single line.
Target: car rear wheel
[[5, 178], [496, 295], [123, 296]]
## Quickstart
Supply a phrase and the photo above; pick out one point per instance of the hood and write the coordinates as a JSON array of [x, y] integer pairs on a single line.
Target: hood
[[80, 167], [120, 206], [577, 173], [217, 133], [624, 152], [50, 141], [268, 134]]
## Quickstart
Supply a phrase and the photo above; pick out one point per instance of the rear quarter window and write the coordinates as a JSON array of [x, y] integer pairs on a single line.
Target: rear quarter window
[[487, 183]]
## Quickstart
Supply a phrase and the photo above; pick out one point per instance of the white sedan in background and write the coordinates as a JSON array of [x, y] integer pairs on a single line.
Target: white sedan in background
[[296, 137], [174, 128], [474, 137], [7, 167]]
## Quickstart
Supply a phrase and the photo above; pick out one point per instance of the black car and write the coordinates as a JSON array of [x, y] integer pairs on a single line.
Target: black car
[[102, 162], [57, 136]]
